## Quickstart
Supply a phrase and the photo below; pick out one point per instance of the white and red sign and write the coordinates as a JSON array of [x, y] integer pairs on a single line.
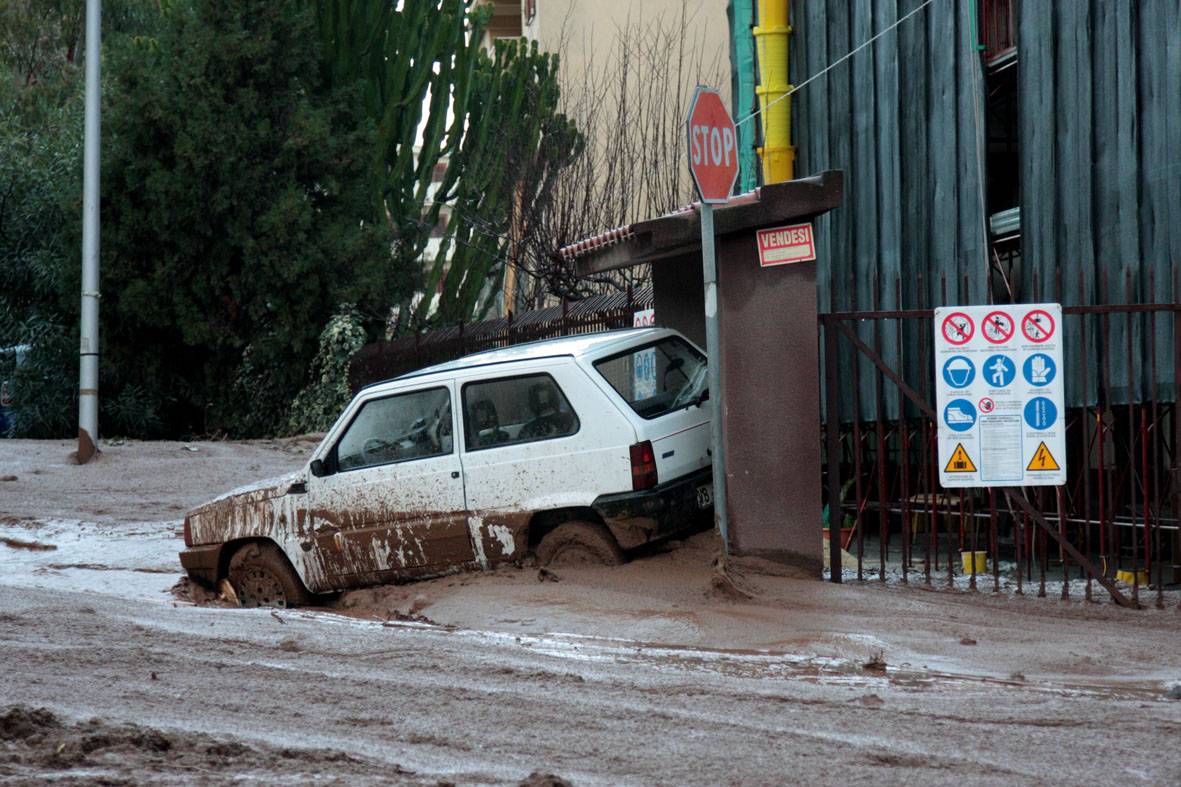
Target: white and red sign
[[997, 327], [957, 328], [786, 245], [1038, 326], [1000, 395], [644, 318], [713, 146]]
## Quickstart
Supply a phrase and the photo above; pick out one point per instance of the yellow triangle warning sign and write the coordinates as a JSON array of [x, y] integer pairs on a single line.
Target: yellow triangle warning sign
[[960, 462], [1043, 459]]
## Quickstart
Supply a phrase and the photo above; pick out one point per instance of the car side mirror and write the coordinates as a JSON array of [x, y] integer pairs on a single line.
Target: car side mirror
[[318, 469], [703, 398]]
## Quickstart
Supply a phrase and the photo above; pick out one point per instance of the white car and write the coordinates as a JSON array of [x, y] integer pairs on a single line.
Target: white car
[[581, 447]]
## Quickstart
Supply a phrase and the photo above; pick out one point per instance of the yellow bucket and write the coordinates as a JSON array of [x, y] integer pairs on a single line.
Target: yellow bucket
[[979, 559], [1132, 577]]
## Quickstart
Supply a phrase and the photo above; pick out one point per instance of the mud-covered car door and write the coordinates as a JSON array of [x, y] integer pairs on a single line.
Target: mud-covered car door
[[535, 441], [392, 502]]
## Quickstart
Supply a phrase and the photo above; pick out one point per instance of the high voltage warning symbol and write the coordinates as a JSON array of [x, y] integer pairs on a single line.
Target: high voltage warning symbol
[[960, 462], [1042, 459]]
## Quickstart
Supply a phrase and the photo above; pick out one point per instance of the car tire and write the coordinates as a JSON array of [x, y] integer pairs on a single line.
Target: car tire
[[575, 543], [262, 577]]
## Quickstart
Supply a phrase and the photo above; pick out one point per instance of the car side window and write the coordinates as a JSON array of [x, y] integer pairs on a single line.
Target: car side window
[[515, 410], [398, 428]]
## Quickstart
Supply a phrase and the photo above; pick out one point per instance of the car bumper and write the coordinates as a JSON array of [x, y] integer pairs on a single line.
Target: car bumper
[[201, 563], [651, 514]]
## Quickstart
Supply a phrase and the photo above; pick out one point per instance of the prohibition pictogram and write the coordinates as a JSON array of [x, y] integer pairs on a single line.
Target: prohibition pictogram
[[997, 327], [958, 328], [1037, 325], [986, 405]]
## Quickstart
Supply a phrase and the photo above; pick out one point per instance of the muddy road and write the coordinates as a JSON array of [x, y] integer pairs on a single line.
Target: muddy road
[[645, 674]]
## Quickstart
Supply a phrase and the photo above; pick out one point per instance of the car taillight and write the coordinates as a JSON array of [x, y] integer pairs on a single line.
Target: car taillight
[[188, 533], [643, 466]]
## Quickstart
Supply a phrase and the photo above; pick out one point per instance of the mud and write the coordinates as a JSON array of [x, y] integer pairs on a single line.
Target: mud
[[644, 673], [36, 746]]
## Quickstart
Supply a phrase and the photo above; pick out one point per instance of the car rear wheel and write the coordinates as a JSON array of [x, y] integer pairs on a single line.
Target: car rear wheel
[[574, 543], [262, 577]]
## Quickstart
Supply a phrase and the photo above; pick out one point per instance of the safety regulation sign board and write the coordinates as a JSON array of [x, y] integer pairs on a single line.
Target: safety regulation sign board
[[999, 395]]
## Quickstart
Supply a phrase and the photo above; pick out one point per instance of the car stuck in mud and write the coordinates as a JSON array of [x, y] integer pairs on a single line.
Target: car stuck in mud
[[572, 449]]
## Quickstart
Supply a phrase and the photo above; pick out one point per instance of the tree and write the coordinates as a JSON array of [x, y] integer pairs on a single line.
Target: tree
[[631, 114], [517, 142], [237, 215]]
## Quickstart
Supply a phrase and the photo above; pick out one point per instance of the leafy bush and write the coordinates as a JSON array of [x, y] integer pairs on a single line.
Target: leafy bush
[[321, 401]]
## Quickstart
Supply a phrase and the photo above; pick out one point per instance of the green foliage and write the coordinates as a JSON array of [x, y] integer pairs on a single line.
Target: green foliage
[[318, 405], [40, 187], [516, 143], [415, 67], [237, 212]]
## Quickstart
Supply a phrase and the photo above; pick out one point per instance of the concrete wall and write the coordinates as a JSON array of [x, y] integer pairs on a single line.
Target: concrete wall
[[770, 363]]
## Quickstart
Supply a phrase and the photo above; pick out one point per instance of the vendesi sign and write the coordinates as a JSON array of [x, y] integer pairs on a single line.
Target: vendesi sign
[[999, 395], [785, 245]]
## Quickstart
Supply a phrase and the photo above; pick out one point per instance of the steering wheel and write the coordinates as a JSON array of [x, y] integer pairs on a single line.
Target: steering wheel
[[376, 449], [541, 426]]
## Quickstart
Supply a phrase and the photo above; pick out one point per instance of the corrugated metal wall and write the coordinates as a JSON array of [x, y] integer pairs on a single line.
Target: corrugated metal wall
[[901, 118], [1100, 114], [1100, 151]]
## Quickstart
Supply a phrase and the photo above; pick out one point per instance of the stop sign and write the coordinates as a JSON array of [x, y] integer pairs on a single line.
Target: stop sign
[[713, 146]]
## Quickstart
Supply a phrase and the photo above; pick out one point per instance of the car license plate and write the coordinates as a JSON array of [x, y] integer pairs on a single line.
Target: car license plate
[[705, 495]]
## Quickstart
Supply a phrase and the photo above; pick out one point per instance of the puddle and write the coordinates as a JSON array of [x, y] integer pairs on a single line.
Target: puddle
[[136, 560]]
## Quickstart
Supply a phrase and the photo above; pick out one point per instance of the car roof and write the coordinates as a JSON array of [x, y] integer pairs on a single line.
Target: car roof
[[576, 346]]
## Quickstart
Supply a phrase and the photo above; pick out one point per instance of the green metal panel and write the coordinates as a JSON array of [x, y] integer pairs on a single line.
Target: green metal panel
[[742, 84], [1100, 121], [900, 118]]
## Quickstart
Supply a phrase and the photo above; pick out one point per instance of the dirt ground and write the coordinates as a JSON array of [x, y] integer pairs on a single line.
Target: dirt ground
[[654, 672]]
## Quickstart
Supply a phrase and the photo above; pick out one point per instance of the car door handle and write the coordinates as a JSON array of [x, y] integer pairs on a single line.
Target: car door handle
[[455, 474]]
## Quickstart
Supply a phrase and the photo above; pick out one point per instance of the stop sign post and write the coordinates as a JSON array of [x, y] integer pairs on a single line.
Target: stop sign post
[[713, 162]]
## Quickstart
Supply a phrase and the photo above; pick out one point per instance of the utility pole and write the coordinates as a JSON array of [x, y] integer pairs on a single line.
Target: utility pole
[[88, 346]]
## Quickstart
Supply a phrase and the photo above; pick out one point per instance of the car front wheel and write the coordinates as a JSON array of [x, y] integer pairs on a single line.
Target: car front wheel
[[262, 577]]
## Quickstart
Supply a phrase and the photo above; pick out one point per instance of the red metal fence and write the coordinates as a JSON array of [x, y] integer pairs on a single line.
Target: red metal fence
[[385, 360], [1117, 515]]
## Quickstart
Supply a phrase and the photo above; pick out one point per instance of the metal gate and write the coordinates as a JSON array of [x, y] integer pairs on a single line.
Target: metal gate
[[1115, 519]]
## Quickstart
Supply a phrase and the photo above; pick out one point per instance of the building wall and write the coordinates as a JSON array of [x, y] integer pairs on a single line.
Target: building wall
[[1099, 135], [901, 119], [1100, 120]]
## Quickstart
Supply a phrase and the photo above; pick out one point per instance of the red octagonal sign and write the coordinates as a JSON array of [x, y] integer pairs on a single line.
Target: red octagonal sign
[[713, 146]]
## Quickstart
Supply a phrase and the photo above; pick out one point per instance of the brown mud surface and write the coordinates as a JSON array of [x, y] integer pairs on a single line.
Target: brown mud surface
[[36, 746], [666, 670]]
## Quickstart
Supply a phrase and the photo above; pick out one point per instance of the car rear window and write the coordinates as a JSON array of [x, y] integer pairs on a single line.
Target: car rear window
[[657, 378]]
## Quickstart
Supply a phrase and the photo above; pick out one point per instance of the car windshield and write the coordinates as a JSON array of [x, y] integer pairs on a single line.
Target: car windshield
[[657, 378]]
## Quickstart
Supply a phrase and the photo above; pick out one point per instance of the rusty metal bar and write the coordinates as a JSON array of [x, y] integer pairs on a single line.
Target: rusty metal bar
[[904, 443], [1085, 423], [833, 453], [858, 448], [886, 370], [1014, 495], [881, 450], [1132, 433], [1156, 457], [992, 540], [921, 313], [1061, 495]]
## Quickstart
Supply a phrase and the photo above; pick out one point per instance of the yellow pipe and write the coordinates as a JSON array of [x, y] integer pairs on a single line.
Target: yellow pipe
[[771, 41]]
